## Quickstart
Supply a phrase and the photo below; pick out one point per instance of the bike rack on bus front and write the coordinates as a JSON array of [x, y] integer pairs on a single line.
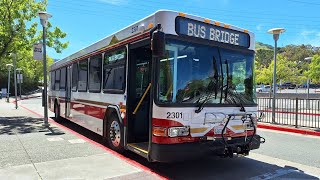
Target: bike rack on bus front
[[244, 119]]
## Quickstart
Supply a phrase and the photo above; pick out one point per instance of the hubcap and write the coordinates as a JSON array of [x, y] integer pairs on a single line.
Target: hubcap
[[115, 135]]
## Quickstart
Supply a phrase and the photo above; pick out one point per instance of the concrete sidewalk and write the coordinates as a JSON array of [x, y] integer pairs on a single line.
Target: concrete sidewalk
[[30, 151]]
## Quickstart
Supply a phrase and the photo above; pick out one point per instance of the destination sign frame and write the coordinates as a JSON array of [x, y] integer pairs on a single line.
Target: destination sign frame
[[193, 28]]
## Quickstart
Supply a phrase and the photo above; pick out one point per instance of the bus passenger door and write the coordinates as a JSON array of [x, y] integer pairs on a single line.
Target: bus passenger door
[[68, 92], [138, 101]]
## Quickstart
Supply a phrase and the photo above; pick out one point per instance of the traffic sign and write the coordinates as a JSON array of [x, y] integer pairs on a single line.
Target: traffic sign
[[37, 51]]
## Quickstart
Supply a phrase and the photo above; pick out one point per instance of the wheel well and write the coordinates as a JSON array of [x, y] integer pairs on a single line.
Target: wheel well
[[108, 113]]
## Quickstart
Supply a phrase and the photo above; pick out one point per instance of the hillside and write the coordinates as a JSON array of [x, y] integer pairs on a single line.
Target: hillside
[[260, 45]]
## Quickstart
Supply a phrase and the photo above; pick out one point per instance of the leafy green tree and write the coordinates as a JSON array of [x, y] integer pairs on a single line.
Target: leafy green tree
[[314, 70], [287, 71], [18, 32], [264, 57], [18, 28]]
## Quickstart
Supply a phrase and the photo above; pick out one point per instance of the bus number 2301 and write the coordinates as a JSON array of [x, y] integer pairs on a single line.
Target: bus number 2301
[[174, 115]]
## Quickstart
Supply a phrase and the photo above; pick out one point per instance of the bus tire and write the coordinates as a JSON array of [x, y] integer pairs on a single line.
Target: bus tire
[[114, 134], [57, 116]]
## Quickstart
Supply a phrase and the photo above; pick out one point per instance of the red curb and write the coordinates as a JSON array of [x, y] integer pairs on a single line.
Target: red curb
[[287, 129], [130, 161]]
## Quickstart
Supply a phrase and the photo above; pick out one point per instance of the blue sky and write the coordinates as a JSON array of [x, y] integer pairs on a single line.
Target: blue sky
[[87, 21]]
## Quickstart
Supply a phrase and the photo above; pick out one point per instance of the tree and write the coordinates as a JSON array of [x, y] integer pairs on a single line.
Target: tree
[[18, 32], [314, 70], [264, 57], [287, 71], [18, 28]]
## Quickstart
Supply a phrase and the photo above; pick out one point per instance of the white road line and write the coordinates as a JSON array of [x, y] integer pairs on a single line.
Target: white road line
[[76, 141], [283, 165], [55, 139], [275, 174]]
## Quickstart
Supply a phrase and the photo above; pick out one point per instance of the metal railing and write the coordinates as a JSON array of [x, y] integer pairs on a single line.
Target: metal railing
[[296, 112]]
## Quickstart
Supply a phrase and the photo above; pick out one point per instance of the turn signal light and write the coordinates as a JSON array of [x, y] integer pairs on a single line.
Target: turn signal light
[[159, 131]]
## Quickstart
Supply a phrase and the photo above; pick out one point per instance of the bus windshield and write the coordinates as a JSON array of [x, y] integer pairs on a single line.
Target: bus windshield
[[192, 73]]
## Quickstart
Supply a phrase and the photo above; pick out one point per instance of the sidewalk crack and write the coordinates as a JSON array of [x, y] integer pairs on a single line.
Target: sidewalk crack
[[29, 157]]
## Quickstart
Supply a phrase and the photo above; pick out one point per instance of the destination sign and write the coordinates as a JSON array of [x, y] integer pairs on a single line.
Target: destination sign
[[189, 27]]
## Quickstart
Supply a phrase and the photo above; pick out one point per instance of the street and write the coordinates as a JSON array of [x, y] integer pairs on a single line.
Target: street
[[284, 155]]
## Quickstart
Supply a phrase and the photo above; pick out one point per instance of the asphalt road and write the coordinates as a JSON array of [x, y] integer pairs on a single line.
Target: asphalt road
[[284, 155]]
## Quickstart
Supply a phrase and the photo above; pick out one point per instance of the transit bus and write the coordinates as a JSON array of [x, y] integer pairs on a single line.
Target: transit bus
[[169, 87]]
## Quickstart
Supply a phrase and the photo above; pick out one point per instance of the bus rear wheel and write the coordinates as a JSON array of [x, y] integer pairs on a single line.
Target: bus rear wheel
[[115, 134]]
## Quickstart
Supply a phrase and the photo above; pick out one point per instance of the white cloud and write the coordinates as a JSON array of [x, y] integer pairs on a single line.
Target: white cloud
[[308, 37], [115, 2], [259, 27], [307, 32]]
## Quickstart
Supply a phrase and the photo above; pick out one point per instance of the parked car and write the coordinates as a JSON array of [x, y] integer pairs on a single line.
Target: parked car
[[292, 86], [265, 88]]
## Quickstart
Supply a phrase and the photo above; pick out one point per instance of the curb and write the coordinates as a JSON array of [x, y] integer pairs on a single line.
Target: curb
[[288, 129], [120, 156]]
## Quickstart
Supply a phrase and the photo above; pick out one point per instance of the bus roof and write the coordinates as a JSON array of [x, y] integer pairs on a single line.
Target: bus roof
[[141, 28]]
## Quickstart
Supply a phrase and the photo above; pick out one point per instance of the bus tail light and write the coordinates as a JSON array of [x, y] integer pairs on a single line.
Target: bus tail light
[[178, 131], [159, 131]]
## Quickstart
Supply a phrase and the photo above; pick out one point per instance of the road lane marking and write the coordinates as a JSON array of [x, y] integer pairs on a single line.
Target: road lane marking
[[76, 141], [275, 174], [55, 139], [284, 164]]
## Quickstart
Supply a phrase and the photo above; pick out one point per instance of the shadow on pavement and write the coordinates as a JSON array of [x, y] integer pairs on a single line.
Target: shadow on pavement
[[24, 125], [207, 167]]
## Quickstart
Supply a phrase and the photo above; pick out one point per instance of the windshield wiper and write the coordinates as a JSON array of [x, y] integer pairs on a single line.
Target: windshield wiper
[[242, 109], [200, 107]]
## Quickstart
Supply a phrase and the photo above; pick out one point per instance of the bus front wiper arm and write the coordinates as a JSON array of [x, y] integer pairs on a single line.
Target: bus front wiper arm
[[200, 107]]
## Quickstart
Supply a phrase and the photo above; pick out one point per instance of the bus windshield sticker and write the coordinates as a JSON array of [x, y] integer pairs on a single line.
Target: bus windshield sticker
[[189, 27]]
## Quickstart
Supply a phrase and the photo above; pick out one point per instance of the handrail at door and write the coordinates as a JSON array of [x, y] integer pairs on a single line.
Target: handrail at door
[[144, 95]]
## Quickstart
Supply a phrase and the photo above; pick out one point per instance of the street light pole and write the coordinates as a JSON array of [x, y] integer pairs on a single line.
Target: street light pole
[[308, 83], [44, 16], [15, 78], [9, 69], [20, 80], [276, 32]]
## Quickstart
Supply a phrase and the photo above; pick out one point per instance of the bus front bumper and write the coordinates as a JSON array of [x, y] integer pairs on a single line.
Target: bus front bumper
[[186, 151]]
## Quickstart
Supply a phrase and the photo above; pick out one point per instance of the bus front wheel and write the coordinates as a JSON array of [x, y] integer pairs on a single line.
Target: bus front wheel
[[115, 134]]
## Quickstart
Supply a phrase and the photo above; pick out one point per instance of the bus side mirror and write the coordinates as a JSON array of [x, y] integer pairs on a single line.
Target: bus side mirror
[[158, 43]]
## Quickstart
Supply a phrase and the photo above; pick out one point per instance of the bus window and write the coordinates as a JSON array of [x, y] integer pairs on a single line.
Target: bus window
[[95, 73], [74, 76], [57, 80], [63, 78], [83, 75], [114, 70]]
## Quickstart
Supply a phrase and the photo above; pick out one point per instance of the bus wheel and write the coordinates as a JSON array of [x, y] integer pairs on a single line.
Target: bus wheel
[[57, 116], [115, 134]]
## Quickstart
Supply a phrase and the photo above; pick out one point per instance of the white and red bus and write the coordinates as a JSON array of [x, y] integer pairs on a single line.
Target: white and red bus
[[169, 87]]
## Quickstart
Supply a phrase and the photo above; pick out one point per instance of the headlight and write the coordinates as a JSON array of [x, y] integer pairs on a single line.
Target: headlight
[[178, 131]]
